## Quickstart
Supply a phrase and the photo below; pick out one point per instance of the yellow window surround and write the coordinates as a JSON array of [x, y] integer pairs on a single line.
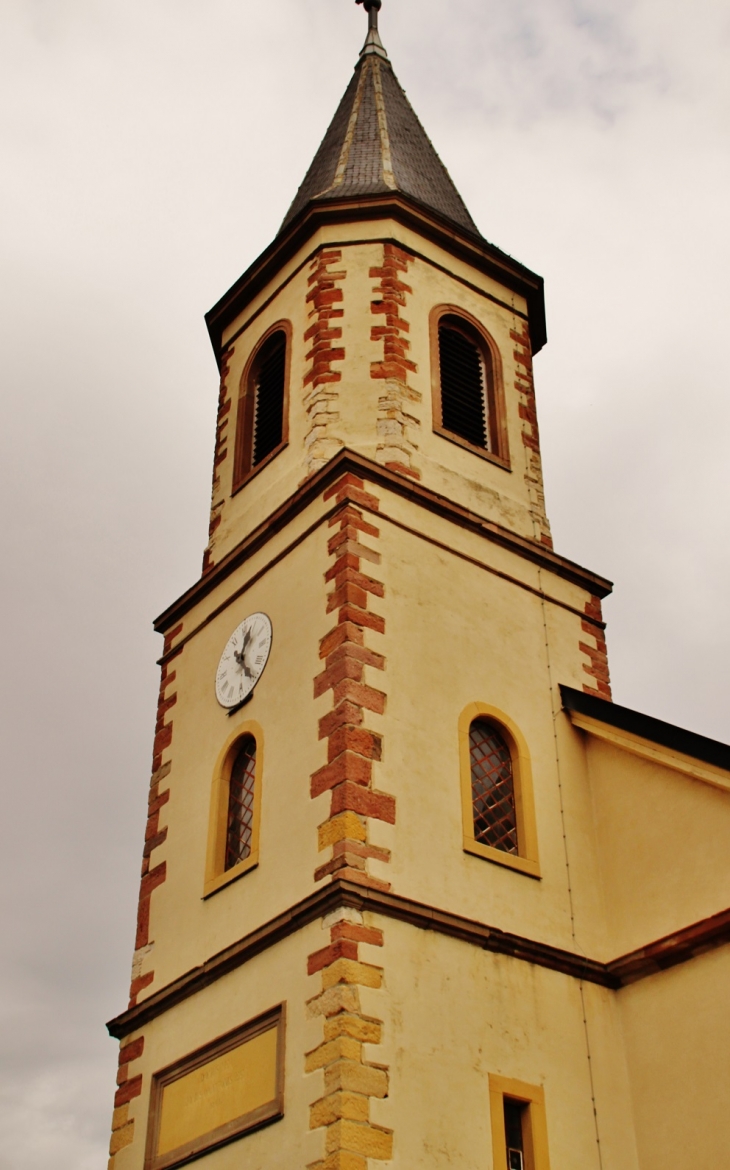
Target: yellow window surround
[[527, 860], [216, 875], [535, 1124]]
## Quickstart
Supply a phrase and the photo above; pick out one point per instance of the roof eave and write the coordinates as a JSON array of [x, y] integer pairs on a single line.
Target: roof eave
[[657, 731], [465, 245]]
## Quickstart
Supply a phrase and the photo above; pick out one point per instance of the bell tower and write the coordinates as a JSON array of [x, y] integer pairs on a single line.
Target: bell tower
[[379, 910]]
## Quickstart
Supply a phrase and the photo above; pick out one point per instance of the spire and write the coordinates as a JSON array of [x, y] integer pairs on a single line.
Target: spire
[[377, 145], [373, 45]]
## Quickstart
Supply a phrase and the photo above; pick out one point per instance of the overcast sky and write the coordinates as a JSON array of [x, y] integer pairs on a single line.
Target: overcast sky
[[149, 150]]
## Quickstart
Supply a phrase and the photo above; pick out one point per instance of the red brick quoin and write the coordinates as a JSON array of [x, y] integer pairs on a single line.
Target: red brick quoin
[[128, 1088], [598, 654], [158, 798], [352, 749]]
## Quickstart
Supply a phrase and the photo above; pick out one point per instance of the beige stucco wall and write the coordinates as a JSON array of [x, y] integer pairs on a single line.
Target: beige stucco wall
[[677, 1029], [663, 841], [275, 977], [459, 634], [457, 1014], [185, 929]]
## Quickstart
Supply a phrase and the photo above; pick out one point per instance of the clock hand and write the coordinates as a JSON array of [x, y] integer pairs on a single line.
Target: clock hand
[[240, 654]]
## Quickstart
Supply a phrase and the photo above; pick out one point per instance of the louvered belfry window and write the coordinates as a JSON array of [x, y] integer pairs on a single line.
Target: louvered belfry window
[[464, 384], [268, 376], [241, 797], [492, 788]]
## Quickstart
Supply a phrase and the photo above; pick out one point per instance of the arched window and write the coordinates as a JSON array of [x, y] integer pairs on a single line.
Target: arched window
[[492, 788], [262, 421], [496, 790], [235, 809], [468, 406], [464, 383], [241, 796]]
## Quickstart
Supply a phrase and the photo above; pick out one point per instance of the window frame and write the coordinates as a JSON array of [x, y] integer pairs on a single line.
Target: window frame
[[243, 470], [216, 875], [527, 861], [536, 1137], [492, 359], [232, 1131]]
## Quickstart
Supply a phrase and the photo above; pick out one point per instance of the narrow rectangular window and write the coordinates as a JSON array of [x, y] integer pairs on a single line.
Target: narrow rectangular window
[[519, 1125], [514, 1118]]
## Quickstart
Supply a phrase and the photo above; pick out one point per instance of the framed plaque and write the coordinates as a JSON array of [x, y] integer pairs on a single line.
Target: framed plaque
[[217, 1094]]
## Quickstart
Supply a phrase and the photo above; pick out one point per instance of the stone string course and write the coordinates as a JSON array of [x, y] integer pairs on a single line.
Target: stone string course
[[397, 425], [352, 753]]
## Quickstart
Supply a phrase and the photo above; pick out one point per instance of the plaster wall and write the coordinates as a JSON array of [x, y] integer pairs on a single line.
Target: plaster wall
[[457, 1014], [185, 928], [663, 840], [277, 976], [457, 634], [677, 1029]]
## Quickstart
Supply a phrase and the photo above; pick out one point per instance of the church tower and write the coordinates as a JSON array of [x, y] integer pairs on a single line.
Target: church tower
[[415, 891]]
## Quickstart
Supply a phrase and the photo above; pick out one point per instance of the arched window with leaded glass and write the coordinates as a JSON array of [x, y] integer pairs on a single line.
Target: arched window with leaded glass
[[235, 809], [492, 788], [241, 798], [496, 790]]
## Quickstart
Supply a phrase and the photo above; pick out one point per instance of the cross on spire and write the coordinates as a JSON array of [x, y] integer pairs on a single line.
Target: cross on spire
[[373, 45]]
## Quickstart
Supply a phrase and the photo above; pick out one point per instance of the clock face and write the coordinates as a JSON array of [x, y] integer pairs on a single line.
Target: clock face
[[243, 660]]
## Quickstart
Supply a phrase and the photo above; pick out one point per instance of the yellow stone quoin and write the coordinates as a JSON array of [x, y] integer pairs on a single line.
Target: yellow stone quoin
[[417, 957]]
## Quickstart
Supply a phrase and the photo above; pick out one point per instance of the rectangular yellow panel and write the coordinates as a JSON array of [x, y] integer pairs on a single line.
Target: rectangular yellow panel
[[219, 1092]]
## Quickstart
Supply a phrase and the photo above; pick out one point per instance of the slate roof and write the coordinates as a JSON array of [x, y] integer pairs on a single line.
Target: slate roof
[[376, 144]]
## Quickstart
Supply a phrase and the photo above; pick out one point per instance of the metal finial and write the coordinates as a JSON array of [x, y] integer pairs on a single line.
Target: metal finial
[[373, 46]]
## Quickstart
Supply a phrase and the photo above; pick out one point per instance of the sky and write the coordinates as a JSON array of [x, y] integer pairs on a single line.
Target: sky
[[148, 152]]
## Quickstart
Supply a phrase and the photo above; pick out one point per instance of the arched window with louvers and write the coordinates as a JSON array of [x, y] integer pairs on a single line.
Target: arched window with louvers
[[235, 809], [497, 795], [262, 425], [467, 384]]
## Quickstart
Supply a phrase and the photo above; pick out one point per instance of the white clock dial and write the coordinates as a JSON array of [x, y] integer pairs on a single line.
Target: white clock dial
[[243, 660]]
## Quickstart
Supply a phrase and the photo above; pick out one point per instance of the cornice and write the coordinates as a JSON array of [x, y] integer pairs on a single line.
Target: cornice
[[658, 956], [424, 497], [474, 250]]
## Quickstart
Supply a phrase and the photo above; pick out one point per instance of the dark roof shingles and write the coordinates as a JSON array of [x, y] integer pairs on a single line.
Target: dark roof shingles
[[417, 168]]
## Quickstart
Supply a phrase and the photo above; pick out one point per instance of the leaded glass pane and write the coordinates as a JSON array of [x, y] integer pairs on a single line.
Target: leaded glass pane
[[240, 804], [492, 788]]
